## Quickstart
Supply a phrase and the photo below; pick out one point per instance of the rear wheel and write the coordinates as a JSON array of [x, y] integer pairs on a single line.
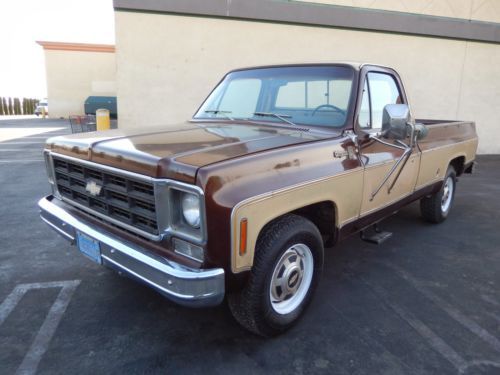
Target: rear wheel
[[436, 208], [287, 265]]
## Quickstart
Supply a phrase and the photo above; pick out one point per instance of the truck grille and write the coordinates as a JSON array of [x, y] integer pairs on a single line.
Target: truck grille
[[124, 199]]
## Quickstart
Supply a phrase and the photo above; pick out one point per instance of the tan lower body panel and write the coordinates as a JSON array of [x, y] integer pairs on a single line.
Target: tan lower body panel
[[404, 185], [344, 191], [434, 162], [349, 192]]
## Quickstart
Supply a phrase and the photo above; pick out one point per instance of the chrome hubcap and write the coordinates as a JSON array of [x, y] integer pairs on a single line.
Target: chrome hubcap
[[291, 279], [447, 194]]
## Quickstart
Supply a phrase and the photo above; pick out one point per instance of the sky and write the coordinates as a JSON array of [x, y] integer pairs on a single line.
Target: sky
[[23, 22]]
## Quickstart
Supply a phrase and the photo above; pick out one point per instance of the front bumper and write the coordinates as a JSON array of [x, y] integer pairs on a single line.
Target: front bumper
[[183, 285]]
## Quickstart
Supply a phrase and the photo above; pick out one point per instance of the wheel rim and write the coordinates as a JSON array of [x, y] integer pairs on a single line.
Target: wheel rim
[[447, 194], [291, 279]]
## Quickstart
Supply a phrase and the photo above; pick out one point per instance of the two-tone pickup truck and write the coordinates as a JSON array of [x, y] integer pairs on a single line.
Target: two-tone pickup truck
[[278, 163]]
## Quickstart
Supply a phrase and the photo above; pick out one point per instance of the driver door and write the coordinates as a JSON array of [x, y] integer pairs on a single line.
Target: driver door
[[382, 87]]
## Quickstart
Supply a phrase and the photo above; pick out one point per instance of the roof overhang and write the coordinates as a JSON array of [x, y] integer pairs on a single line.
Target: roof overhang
[[86, 47]]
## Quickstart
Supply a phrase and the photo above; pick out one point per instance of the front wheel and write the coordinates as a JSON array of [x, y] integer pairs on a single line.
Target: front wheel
[[436, 208], [287, 265]]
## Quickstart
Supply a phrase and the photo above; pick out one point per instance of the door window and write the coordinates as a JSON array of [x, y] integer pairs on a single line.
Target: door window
[[364, 111], [380, 89]]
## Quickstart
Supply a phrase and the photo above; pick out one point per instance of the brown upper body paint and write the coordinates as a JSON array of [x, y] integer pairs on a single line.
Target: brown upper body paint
[[261, 170]]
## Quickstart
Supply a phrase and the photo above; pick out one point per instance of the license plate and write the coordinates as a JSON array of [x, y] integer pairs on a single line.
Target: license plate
[[89, 247]]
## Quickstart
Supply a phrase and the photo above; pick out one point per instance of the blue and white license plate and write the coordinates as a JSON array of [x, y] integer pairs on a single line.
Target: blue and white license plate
[[89, 247]]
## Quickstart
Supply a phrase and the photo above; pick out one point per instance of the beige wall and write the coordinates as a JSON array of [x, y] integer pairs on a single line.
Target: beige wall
[[72, 76], [479, 10], [169, 63]]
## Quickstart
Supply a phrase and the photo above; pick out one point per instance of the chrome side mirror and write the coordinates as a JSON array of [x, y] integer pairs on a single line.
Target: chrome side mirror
[[395, 121]]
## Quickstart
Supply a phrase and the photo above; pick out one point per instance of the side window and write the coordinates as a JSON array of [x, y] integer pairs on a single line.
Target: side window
[[383, 91], [364, 112]]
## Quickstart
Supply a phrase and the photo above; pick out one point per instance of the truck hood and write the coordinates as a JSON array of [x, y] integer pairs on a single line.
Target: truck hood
[[177, 152]]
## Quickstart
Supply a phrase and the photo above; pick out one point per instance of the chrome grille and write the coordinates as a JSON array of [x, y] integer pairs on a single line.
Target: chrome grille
[[124, 199]]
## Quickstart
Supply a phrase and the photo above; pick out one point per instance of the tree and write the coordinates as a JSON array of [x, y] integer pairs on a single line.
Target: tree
[[11, 108], [5, 109], [1, 106]]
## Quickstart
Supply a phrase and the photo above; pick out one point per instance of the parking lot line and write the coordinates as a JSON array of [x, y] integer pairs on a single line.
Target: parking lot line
[[423, 330], [490, 300], [465, 321], [48, 328], [494, 316], [41, 342], [10, 303]]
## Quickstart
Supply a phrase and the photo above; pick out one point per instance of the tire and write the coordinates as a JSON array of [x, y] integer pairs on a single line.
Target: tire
[[287, 267], [436, 208]]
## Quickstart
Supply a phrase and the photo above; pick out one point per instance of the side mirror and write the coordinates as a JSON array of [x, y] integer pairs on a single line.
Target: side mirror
[[395, 119]]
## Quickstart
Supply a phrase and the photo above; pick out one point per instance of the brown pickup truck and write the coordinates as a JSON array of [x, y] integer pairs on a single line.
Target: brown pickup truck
[[278, 163]]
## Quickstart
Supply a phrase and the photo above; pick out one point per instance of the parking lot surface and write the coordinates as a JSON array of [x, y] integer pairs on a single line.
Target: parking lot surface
[[427, 301]]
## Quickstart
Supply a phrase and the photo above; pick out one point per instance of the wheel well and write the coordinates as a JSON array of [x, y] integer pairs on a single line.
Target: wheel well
[[322, 214], [458, 164]]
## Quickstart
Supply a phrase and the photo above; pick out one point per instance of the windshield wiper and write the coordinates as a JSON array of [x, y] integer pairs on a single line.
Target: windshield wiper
[[277, 115], [224, 113]]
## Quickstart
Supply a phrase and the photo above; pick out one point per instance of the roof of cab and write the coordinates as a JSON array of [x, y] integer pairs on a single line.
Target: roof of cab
[[354, 65]]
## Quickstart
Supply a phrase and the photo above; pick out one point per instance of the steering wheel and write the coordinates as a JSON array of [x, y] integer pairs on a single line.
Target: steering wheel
[[335, 108]]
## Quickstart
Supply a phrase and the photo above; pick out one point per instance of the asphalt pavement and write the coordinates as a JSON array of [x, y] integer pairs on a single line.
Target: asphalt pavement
[[427, 301]]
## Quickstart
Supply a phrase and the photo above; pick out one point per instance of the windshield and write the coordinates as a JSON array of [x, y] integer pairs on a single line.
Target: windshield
[[309, 95]]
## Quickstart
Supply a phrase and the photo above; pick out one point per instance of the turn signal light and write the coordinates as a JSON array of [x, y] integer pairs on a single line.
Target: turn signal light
[[243, 236]]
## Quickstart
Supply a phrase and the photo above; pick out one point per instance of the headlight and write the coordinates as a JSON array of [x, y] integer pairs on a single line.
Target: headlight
[[191, 209]]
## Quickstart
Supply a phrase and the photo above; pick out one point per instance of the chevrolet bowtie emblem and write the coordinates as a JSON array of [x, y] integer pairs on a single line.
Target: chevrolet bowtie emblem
[[93, 188]]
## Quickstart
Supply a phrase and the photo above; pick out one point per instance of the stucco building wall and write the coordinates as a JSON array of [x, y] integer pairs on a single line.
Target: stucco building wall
[[170, 62], [76, 71], [479, 10]]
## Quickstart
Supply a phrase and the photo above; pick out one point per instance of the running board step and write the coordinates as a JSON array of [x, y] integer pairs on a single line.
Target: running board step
[[377, 238]]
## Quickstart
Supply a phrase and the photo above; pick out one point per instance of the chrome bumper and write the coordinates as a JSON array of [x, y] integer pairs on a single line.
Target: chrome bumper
[[183, 285]]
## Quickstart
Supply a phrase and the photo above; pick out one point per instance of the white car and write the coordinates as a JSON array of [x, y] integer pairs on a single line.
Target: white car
[[39, 108]]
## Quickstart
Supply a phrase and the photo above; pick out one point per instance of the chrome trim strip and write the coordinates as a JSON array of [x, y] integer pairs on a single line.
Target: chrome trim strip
[[184, 285]]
